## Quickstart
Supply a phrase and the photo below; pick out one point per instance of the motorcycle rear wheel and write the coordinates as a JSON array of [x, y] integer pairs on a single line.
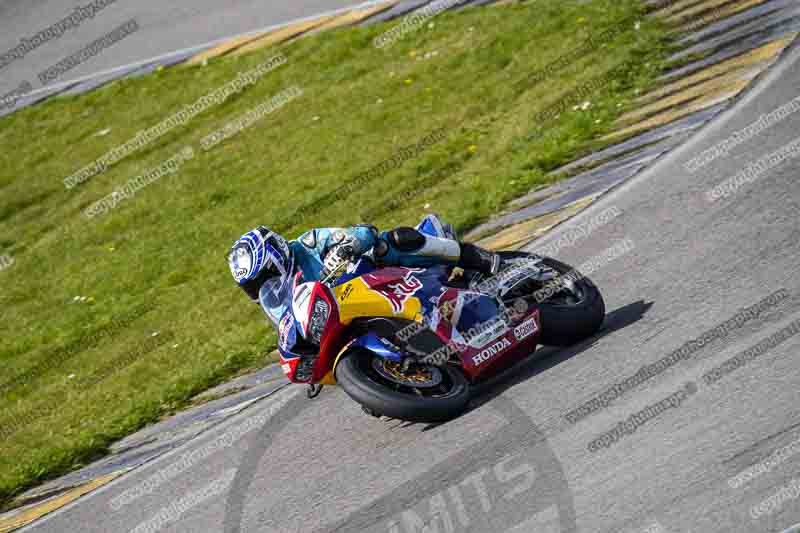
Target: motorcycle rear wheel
[[567, 321], [380, 396]]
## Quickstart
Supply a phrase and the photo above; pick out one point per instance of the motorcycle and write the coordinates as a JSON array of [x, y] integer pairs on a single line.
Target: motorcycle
[[409, 343]]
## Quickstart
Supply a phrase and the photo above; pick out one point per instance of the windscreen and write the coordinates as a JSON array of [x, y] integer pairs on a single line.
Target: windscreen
[[275, 295]]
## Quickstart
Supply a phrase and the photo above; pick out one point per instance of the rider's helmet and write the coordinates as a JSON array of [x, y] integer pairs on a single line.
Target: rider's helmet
[[258, 256]]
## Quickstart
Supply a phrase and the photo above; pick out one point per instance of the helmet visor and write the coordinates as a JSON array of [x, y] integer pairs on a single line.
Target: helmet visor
[[240, 261]]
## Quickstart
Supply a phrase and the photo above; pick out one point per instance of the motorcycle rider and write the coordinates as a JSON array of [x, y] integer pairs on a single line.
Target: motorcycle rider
[[262, 262]]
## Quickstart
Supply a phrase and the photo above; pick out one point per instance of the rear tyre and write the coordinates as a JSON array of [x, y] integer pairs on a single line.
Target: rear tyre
[[568, 320], [381, 396]]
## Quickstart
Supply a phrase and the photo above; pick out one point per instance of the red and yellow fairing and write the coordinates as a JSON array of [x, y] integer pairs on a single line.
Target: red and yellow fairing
[[356, 299]]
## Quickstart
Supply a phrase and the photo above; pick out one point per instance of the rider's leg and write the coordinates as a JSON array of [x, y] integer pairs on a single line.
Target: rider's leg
[[408, 247]]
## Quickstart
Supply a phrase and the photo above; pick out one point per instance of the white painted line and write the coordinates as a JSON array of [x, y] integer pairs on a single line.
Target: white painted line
[[204, 436], [194, 49]]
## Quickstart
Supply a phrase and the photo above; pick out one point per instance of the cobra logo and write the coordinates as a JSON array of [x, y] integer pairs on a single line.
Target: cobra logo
[[526, 329]]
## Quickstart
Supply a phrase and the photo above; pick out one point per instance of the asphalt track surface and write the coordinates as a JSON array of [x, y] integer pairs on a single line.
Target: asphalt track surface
[[514, 463], [164, 27]]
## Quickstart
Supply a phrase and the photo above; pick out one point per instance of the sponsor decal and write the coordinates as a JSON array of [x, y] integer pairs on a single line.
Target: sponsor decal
[[491, 351], [447, 309], [486, 332], [287, 369], [301, 304], [284, 328], [448, 305], [396, 292], [348, 290], [526, 329], [301, 294]]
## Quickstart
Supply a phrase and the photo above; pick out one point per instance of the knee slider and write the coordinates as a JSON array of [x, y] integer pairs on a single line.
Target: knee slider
[[406, 239]]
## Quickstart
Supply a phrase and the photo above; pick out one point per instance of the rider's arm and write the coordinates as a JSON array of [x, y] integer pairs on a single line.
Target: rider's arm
[[361, 238], [312, 246]]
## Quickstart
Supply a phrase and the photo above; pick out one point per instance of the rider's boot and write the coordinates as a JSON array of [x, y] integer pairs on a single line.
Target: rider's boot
[[479, 259]]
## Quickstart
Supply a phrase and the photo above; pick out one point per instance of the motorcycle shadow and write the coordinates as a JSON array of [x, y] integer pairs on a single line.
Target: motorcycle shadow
[[546, 357]]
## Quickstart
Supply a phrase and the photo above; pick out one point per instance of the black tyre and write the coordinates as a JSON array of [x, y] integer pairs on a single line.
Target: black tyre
[[568, 318], [369, 381]]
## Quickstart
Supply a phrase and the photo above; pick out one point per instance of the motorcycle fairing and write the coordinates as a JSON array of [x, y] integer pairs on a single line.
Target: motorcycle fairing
[[391, 292], [458, 317], [512, 343], [379, 346]]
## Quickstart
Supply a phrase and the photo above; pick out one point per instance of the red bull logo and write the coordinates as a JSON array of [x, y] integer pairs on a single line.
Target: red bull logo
[[396, 291]]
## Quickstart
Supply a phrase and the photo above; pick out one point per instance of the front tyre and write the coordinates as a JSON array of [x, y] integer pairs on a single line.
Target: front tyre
[[421, 394]]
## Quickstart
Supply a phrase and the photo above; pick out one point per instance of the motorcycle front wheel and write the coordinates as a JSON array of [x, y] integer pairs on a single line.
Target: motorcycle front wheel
[[423, 393]]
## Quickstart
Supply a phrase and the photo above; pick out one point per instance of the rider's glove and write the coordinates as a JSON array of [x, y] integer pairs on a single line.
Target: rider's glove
[[338, 256], [346, 251]]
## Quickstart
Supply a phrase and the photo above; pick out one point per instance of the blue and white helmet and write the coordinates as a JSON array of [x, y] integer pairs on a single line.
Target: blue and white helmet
[[258, 256]]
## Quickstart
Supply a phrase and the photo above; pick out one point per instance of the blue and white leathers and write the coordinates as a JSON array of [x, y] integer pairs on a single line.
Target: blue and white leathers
[[441, 246], [309, 250]]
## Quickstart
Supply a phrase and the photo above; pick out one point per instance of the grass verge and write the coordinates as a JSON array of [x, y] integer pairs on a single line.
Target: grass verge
[[109, 322]]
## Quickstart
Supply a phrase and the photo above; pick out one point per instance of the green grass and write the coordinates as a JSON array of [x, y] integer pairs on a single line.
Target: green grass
[[156, 263]]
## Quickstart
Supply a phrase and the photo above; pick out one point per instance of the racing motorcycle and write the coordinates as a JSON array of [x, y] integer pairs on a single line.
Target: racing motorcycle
[[408, 343]]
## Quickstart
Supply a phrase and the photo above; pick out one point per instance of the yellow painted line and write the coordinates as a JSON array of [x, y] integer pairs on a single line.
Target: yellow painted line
[[704, 76], [355, 16], [23, 518], [696, 10], [674, 8], [281, 35], [670, 102], [699, 104], [759, 57], [671, 115], [722, 13], [516, 236], [224, 48], [709, 89]]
